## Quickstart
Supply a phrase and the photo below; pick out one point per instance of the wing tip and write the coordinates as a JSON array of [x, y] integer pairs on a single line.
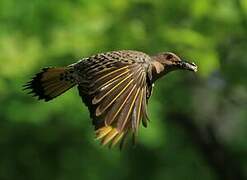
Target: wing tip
[[110, 136]]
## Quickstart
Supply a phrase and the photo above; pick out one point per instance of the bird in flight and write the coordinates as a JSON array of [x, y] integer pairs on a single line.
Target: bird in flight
[[115, 86]]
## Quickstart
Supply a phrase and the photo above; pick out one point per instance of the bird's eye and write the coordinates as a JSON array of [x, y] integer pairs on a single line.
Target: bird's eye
[[169, 56]]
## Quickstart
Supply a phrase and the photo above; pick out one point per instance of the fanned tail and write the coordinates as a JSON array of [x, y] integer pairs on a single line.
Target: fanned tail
[[51, 82]]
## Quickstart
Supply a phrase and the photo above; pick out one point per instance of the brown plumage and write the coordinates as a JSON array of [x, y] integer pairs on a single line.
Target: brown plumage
[[115, 86]]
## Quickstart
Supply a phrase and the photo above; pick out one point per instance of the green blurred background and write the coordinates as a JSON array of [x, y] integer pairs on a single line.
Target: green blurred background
[[198, 125]]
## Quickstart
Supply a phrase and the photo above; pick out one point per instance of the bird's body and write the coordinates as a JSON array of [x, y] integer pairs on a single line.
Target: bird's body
[[115, 86]]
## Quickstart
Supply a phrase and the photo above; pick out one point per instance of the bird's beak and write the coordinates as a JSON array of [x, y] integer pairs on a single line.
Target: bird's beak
[[188, 66]]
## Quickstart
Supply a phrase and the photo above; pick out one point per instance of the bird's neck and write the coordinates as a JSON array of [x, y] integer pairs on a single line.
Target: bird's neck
[[159, 70]]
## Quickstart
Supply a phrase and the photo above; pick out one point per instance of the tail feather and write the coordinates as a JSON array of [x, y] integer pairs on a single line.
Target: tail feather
[[51, 82]]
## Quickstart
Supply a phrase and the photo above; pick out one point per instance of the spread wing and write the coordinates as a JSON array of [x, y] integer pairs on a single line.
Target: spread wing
[[116, 98]]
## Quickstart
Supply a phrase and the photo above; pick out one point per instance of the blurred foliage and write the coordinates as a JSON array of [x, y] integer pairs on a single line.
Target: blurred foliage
[[55, 140]]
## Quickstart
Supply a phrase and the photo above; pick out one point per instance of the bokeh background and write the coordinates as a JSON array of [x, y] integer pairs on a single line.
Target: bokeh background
[[198, 128]]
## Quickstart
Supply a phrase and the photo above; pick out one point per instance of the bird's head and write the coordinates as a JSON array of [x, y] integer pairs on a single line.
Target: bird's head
[[167, 61]]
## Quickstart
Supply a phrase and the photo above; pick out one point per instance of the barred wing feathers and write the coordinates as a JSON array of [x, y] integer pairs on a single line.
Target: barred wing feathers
[[116, 98]]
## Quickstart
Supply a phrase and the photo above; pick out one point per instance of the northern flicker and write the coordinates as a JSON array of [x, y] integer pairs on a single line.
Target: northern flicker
[[115, 86]]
